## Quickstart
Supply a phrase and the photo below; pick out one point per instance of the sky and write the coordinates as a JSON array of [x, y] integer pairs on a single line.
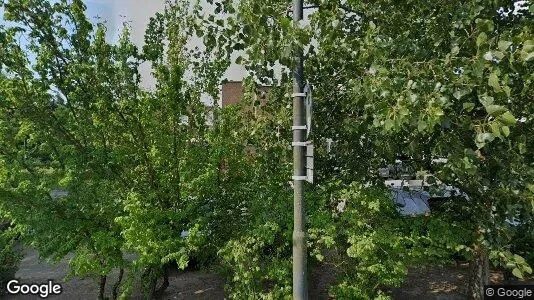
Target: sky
[[115, 12], [138, 13]]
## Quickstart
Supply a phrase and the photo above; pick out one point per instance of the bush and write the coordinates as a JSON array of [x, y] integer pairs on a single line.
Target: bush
[[523, 242], [9, 259], [373, 245], [258, 265]]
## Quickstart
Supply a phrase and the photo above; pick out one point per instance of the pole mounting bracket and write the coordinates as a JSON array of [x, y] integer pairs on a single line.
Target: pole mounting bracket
[[298, 95]]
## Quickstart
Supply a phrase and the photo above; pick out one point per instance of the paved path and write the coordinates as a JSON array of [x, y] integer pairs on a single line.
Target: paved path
[[188, 285]]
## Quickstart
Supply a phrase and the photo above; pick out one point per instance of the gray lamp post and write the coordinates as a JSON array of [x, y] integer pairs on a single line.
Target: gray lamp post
[[300, 290]]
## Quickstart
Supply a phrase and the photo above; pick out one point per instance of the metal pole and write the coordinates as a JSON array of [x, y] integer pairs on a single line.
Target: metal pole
[[300, 290]]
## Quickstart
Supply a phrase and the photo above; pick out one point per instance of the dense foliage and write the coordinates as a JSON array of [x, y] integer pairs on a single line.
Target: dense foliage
[[74, 119], [416, 82], [92, 164], [9, 257]]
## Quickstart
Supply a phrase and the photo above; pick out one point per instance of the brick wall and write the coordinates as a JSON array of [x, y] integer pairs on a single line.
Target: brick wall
[[232, 92]]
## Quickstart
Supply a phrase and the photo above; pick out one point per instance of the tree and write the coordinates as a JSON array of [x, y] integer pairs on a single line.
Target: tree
[[416, 82], [52, 89], [135, 163], [142, 168], [257, 236], [9, 256]]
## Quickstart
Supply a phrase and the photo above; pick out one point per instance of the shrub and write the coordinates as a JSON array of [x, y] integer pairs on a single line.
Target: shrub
[[258, 264], [9, 259]]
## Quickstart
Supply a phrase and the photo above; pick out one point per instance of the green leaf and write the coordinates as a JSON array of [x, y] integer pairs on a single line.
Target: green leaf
[[504, 45], [487, 137], [496, 128], [460, 93], [480, 145], [493, 81], [285, 23], [495, 110], [522, 148], [468, 106], [481, 39], [388, 124], [239, 46], [507, 119], [455, 50], [505, 131], [507, 90], [335, 23], [517, 273], [421, 126], [528, 57], [519, 259], [485, 100], [498, 54], [482, 138], [485, 25]]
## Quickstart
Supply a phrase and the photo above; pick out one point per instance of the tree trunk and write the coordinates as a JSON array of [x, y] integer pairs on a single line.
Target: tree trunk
[[149, 282], [153, 281], [150, 278], [165, 283], [102, 288], [479, 273], [117, 284]]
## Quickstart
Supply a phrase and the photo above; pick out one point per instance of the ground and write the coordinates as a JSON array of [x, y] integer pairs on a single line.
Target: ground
[[443, 283], [188, 285]]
